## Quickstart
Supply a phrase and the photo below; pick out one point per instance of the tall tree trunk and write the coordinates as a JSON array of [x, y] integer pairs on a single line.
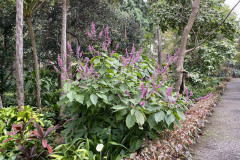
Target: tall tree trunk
[[63, 46], [69, 58], [184, 39], [34, 48], [159, 47], [125, 32], [77, 46], [19, 54], [1, 105]]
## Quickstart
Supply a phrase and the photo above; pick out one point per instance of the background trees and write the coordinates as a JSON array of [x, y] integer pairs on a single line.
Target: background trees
[[128, 21], [171, 14], [105, 61]]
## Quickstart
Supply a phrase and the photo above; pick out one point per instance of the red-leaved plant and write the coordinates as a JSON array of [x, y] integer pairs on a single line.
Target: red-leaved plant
[[39, 134]]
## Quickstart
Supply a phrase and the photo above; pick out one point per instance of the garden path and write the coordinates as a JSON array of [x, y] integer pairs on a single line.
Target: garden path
[[221, 136]]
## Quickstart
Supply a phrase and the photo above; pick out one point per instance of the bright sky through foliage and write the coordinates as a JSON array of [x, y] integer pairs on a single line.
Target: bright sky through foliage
[[232, 3]]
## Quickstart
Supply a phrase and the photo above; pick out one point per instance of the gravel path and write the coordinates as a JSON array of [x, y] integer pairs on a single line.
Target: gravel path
[[221, 136]]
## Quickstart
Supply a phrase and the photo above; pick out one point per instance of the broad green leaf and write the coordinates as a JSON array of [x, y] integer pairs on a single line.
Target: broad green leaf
[[102, 70], [133, 111], [130, 120], [151, 121], [66, 87], [139, 117], [169, 112], [130, 84], [178, 123], [119, 107], [121, 114], [78, 76], [111, 97], [94, 99], [71, 95], [103, 96], [79, 98], [117, 144], [169, 119], [96, 61], [89, 103], [123, 87], [159, 116], [181, 115]]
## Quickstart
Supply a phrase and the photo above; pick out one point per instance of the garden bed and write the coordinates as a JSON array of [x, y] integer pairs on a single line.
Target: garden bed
[[176, 144]]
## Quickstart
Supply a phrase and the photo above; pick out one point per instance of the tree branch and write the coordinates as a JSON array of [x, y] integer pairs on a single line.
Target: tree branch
[[74, 36], [198, 45]]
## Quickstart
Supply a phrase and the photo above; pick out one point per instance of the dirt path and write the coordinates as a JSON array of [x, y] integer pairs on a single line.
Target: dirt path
[[221, 136]]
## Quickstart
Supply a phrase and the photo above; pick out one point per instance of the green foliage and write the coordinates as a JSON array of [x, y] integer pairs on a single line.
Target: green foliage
[[212, 57], [87, 149], [174, 14], [12, 117], [114, 101], [202, 85], [49, 88]]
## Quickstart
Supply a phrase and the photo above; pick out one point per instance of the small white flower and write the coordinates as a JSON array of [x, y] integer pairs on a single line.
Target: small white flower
[[99, 147]]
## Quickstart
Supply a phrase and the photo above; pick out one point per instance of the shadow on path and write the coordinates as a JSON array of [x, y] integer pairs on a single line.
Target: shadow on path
[[221, 136]]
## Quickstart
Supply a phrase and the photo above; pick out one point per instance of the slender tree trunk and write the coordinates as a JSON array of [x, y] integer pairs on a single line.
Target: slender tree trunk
[[184, 39], [77, 45], [125, 32], [69, 58], [63, 46], [35, 61], [19, 54], [1, 105], [159, 47]]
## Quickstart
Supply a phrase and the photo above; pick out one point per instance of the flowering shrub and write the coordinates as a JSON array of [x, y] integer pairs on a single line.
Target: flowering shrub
[[127, 94], [176, 144]]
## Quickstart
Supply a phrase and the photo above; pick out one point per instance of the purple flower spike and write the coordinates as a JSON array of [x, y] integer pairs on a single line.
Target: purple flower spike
[[117, 46], [142, 87], [142, 103], [80, 55], [69, 47], [56, 69], [127, 92], [90, 48], [79, 70], [93, 29], [89, 34], [104, 46], [138, 56], [60, 61], [63, 77], [100, 34], [144, 92], [109, 41], [70, 64], [127, 53], [132, 53], [202, 98], [80, 64], [106, 34]]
